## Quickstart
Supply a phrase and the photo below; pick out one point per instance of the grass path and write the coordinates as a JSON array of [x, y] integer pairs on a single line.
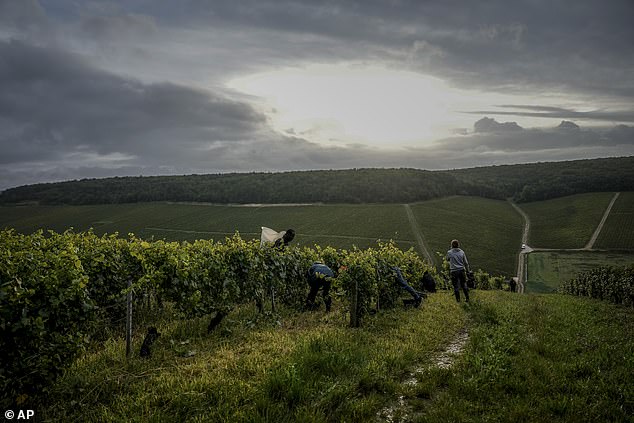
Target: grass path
[[420, 239], [597, 231]]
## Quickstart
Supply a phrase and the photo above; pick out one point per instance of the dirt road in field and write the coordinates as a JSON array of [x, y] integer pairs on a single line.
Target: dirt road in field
[[521, 259], [523, 255], [597, 231], [420, 239]]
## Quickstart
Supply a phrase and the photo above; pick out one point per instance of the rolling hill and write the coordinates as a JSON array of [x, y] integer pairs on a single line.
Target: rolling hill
[[523, 182]]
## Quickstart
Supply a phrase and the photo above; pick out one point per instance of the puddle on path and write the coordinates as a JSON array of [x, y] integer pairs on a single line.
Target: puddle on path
[[446, 358], [401, 410]]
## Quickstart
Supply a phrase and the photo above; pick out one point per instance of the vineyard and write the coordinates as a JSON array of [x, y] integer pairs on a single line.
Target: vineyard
[[489, 230], [63, 300], [618, 231], [59, 290], [566, 222]]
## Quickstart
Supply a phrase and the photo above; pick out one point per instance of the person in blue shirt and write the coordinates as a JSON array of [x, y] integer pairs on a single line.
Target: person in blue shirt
[[417, 298], [458, 267], [319, 276]]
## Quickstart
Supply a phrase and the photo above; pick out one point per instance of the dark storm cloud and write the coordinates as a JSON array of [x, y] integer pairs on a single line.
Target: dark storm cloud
[[23, 17], [52, 103], [565, 137], [577, 45], [536, 46], [91, 89], [491, 125]]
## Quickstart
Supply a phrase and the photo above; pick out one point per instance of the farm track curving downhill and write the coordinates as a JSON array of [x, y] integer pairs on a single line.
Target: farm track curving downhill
[[523, 255], [521, 259]]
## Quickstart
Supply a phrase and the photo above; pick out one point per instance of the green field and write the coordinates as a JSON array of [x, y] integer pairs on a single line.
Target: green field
[[547, 268], [618, 231], [486, 227], [338, 225], [490, 231], [566, 222]]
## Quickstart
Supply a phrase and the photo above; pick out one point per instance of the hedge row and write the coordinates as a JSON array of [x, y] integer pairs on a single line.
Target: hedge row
[[613, 284]]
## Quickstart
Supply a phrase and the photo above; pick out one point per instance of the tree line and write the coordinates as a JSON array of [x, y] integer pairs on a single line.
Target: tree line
[[522, 182]]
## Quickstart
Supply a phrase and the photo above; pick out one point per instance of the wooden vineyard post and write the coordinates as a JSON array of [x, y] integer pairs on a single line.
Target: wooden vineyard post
[[128, 321], [354, 317], [272, 299]]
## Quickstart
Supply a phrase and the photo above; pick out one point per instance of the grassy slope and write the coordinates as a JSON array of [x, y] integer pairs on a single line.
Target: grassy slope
[[566, 222], [537, 358], [490, 231], [618, 231], [529, 358]]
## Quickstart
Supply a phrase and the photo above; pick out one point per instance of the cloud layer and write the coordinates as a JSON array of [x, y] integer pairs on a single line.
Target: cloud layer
[[122, 88]]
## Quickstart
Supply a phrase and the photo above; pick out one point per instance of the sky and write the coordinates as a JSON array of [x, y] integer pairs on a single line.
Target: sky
[[149, 87]]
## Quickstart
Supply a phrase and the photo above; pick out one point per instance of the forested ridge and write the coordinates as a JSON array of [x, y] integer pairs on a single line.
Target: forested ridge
[[522, 182]]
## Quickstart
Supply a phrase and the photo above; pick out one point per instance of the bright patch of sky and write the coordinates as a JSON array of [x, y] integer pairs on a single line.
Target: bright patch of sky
[[375, 105]]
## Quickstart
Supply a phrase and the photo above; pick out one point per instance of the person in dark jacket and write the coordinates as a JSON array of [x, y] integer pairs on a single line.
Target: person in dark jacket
[[512, 284], [428, 282], [319, 276], [458, 267], [288, 236]]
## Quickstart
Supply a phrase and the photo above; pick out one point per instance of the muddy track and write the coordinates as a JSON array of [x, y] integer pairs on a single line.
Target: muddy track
[[444, 360]]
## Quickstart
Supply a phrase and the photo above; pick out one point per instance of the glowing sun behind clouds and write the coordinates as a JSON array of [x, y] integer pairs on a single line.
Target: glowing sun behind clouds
[[355, 104]]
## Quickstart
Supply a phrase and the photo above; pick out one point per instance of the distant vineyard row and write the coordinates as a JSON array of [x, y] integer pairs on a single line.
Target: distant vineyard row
[[613, 284], [526, 182]]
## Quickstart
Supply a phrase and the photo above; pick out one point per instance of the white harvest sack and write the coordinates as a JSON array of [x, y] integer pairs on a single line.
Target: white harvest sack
[[270, 235]]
